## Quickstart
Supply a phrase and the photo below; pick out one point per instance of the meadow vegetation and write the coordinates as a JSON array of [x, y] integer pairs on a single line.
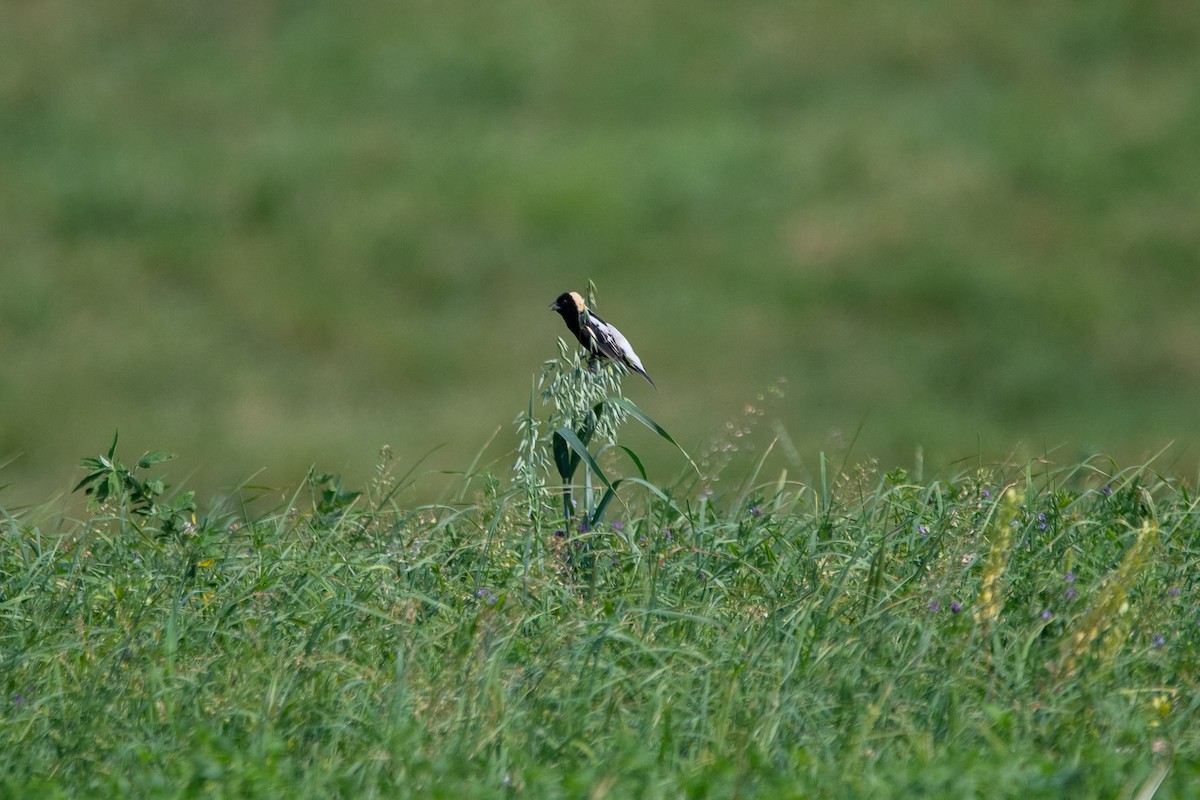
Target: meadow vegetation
[[958, 243], [717, 627]]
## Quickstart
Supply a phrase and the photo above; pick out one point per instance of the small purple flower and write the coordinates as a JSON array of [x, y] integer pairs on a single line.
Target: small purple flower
[[1069, 577], [618, 525], [1106, 491], [956, 606], [642, 542], [560, 534], [1047, 615], [584, 527], [18, 700], [1042, 522], [486, 596], [1174, 591], [756, 511], [1070, 594], [987, 495], [1157, 641], [666, 534], [935, 606], [921, 529]]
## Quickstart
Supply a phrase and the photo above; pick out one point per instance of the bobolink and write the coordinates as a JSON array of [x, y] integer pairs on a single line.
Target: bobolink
[[597, 337]]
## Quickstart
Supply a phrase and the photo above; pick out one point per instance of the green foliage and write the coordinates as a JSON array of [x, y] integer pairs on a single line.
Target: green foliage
[[330, 501], [585, 402], [869, 636], [108, 481]]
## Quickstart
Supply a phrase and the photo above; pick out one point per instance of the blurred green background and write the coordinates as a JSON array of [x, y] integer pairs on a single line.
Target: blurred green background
[[269, 234]]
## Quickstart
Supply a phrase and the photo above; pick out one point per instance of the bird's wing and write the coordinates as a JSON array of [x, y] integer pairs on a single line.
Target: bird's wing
[[602, 336], [613, 344]]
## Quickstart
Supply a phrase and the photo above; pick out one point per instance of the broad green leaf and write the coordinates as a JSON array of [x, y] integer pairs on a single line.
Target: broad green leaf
[[637, 462], [88, 479], [562, 458], [644, 418], [111, 488], [657, 492], [152, 458], [609, 494], [573, 442]]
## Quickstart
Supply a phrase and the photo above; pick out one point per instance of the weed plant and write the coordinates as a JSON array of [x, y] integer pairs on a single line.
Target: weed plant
[[1017, 631]]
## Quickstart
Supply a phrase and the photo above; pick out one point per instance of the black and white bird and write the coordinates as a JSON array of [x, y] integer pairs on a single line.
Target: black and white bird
[[597, 337]]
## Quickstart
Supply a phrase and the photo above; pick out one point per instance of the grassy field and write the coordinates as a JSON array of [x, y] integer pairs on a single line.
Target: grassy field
[[1024, 631], [271, 235], [899, 272]]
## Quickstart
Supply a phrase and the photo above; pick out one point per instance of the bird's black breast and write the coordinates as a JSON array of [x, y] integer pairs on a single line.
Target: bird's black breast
[[571, 317]]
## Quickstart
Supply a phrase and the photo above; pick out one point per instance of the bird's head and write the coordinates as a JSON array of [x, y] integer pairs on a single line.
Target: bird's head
[[569, 303]]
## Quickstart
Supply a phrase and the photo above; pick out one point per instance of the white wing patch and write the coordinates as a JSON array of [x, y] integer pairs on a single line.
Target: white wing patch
[[612, 343]]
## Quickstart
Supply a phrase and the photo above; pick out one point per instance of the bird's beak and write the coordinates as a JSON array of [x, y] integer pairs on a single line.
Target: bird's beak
[[553, 306]]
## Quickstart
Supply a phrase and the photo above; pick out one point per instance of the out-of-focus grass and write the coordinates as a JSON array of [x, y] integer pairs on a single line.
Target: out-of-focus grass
[[272, 234]]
